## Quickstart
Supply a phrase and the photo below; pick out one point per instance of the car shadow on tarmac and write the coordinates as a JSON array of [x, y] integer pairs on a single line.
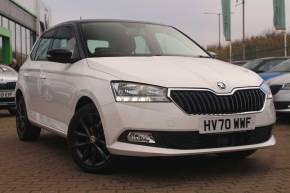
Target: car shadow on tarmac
[[170, 167], [160, 167], [4, 114]]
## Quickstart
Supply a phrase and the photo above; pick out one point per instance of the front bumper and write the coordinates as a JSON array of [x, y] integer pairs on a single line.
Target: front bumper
[[282, 101], [6, 103], [167, 117], [126, 149]]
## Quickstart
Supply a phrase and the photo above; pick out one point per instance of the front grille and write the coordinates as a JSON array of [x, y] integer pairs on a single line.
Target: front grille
[[282, 105], [198, 102], [8, 86], [275, 89], [194, 140], [7, 100]]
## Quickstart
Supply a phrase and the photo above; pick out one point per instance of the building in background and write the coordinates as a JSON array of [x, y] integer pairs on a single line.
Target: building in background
[[21, 22]]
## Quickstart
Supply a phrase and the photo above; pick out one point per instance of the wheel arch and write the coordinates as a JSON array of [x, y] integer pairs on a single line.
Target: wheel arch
[[18, 93], [82, 101]]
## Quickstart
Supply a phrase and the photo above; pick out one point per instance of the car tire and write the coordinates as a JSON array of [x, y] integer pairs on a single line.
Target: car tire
[[240, 155], [25, 130], [86, 141], [12, 111]]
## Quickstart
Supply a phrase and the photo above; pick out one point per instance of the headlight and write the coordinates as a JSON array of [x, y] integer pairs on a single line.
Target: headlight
[[286, 86], [266, 89], [134, 92]]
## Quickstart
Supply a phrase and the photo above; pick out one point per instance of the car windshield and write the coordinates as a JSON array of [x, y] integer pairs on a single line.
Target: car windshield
[[109, 39], [283, 67], [252, 65], [269, 64]]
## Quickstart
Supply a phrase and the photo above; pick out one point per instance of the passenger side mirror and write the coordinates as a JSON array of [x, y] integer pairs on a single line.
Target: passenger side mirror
[[60, 55]]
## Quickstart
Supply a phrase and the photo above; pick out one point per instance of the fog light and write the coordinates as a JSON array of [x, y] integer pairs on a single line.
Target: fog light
[[140, 137]]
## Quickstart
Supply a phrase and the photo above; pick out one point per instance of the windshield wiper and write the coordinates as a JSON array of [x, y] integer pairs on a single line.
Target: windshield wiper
[[201, 56]]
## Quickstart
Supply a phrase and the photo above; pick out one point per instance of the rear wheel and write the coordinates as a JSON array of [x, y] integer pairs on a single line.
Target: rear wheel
[[87, 142], [240, 155], [25, 130]]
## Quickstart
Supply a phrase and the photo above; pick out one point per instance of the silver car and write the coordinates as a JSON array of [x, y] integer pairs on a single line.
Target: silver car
[[8, 79], [278, 79]]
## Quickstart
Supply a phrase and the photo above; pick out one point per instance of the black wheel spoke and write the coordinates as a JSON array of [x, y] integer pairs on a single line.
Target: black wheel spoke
[[101, 153], [94, 156], [84, 126], [79, 134], [77, 145], [86, 154]]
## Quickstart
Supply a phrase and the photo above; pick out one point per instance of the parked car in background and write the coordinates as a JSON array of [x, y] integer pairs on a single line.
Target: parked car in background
[[264, 64], [278, 79], [278, 70], [139, 89], [240, 62], [8, 79], [280, 87]]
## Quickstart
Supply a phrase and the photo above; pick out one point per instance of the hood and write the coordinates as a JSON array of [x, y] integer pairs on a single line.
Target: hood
[[279, 80], [270, 75], [171, 71], [7, 74]]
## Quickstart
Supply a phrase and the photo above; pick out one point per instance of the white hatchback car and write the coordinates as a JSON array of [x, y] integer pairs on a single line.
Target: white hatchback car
[[139, 89]]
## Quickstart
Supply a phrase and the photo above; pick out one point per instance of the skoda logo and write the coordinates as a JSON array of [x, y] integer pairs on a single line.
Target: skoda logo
[[221, 85]]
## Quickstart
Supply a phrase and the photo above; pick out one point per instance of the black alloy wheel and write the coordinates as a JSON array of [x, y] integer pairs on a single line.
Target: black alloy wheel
[[87, 142]]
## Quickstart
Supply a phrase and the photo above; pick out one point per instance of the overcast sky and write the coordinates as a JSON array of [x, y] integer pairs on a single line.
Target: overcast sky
[[186, 15]]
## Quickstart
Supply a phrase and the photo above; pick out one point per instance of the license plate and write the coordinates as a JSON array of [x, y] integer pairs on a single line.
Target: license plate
[[227, 124], [7, 94]]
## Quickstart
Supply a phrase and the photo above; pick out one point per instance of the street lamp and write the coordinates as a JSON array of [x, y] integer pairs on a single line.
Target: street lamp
[[244, 30], [219, 20]]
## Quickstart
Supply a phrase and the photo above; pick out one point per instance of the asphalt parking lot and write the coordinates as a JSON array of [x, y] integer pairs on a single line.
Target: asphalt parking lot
[[45, 166]]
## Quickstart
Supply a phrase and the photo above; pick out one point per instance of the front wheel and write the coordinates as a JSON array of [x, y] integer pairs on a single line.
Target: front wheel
[[86, 141], [240, 155]]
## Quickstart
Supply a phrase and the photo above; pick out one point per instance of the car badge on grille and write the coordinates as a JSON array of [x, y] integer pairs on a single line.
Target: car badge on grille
[[221, 85]]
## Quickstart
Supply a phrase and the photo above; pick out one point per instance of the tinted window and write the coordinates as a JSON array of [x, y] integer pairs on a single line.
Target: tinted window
[[44, 45], [137, 39], [97, 44], [283, 67], [33, 53], [253, 64], [172, 45], [141, 45], [268, 65], [65, 39]]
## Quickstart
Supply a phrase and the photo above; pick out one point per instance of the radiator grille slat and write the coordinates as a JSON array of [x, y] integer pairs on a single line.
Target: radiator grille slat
[[202, 102], [8, 86]]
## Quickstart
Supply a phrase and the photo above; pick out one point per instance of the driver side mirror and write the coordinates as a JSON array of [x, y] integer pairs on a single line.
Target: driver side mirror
[[60, 55]]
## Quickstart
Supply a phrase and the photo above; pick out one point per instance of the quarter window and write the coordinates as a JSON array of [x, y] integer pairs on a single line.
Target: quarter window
[[43, 47]]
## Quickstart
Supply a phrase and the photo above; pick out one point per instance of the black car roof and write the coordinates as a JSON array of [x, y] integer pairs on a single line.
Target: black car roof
[[104, 20]]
